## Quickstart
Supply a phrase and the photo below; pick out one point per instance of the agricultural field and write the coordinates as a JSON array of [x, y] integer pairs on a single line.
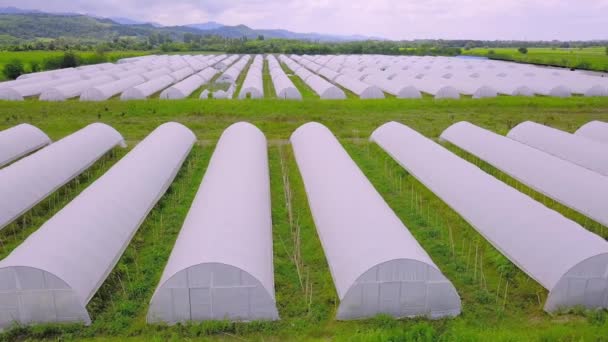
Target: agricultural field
[[587, 58], [499, 302]]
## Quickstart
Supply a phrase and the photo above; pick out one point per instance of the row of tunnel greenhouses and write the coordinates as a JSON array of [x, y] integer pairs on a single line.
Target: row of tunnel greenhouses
[[221, 266], [327, 77]]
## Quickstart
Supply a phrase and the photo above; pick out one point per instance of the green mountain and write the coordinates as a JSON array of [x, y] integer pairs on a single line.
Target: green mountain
[[42, 25], [34, 25]]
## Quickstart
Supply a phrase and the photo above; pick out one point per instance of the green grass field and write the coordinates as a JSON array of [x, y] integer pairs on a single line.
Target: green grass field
[[586, 58], [500, 303]]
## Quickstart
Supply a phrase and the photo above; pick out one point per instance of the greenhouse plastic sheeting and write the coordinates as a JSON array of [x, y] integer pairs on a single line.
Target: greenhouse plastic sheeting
[[377, 266], [578, 150], [221, 265], [28, 181], [20, 141], [56, 271], [569, 184], [594, 130], [565, 258]]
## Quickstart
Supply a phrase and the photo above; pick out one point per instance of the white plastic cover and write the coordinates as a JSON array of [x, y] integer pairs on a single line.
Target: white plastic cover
[[181, 73], [253, 85], [565, 258], [376, 264], [144, 90], [578, 150], [30, 180], [283, 86], [221, 265], [597, 90], [232, 73], [319, 85], [20, 91], [156, 73], [53, 274], [20, 141], [207, 74], [107, 90], [362, 89], [399, 89], [594, 130], [182, 89], [74, 89], [569, 184], [50, 73]]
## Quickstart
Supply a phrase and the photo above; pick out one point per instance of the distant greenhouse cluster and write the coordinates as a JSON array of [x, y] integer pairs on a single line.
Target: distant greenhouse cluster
[[327, 76]]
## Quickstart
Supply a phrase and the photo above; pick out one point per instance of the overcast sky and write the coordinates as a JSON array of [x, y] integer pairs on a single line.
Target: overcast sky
[[394, 19]]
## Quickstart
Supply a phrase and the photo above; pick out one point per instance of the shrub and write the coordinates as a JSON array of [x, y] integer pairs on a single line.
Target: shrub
[[13, 69], [523, 50], [35, 67], [68, 60], [51, 63]]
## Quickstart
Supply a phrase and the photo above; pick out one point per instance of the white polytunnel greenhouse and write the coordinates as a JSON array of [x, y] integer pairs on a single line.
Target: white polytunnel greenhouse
[[183, 88], [19, 141], [304, 74], [393, 87], [182, 73], [223, 64], [75, 89], [594, 130], [19, 92], [28, 181], [49, 73], [14, 83], [361, 89], [56, 271], [121, 74], [377, 266], [253, 86], [319, 85], [329, 73], [597, 90], [283, 86], [574, 186], [232, 73], [324, 89], [208, 74], [446, 92], [156, 73], [439, 87], [221, 267], [108, 90], [144, 90], [578, 150], [565, 258]]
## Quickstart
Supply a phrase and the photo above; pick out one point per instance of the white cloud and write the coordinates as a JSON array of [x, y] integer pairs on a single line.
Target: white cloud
[[396, 19]]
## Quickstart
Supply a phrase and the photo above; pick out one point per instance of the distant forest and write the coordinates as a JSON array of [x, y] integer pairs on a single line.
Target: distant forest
[[201, 42]]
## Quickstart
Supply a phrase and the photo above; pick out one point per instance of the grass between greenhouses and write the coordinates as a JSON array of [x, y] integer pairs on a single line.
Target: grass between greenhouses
[[500, 303]]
